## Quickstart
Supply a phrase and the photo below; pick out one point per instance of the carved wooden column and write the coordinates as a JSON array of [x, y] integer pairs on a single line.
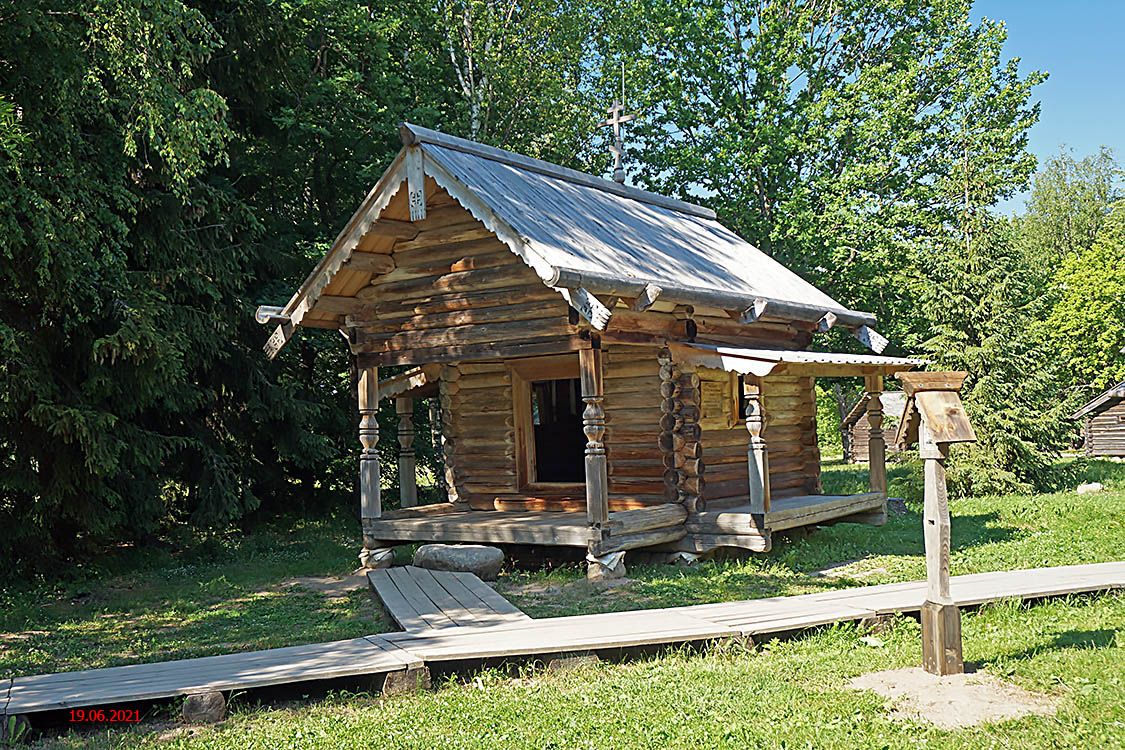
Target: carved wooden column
[[597, 479], [407, 479], [757, 456], [370, 503], [876, 444]]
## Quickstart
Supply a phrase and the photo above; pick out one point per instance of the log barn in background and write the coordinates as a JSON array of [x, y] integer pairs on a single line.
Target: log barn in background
[[1103, 423], [855, 431], [612, 369]]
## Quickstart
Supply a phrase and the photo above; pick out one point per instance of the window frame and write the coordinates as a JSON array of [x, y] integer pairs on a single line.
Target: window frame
[[523, 373]]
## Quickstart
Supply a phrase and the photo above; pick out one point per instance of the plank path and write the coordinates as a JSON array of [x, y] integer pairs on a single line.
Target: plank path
[[419, 599], [465, 637]]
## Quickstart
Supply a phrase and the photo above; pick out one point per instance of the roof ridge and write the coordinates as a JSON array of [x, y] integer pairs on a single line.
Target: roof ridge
[[415, 134]]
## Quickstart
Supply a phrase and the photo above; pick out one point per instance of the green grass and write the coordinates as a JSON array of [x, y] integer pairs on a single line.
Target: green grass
[[223, 594], [228, 593]]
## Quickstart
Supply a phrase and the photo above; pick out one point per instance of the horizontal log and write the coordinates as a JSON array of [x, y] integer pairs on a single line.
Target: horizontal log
[[632, 400], [616, 543], [702, 543], [338, 305], [466, 335], [727, 502], [479, 368], [462, 281], [488, 380], [548, 308], [467, 445], [374, 263], [474, 352], [725, 487], [414, 256], [429, 239], [647, 519], [646, 369], [635, 486]]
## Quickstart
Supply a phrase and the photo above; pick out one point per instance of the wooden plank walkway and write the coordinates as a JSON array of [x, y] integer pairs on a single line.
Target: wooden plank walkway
[[371, 655], [420, 599], [530, 638], [760, 616]]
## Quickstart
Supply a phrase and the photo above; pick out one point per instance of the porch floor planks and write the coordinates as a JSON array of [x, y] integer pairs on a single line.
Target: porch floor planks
[[420, 600], [371, 655], [523, 637], [806, 510]]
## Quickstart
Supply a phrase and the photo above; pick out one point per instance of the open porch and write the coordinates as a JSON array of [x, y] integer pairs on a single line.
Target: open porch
[[720, 490]]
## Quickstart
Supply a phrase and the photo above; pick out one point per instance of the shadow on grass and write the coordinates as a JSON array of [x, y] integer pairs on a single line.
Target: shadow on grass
[[815, 548], [1067, 639]]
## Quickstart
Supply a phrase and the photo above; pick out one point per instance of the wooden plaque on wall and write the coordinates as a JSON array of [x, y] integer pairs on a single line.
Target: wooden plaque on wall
[[717, 402]]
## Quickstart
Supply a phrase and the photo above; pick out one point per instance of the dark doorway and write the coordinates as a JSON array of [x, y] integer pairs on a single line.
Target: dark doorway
[[556, 416]]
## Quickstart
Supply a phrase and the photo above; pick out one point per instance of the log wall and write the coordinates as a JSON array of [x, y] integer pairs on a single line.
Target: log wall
[[1105, 433], [453, 285], [789, 405], [479, 435]]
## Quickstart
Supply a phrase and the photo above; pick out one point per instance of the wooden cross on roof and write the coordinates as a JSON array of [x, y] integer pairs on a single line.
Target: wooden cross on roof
[[617, 118]]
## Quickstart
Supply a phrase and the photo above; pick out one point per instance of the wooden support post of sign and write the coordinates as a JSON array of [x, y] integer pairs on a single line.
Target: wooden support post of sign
[[941, 619], [407, 471], [757, 456], [935, 419]]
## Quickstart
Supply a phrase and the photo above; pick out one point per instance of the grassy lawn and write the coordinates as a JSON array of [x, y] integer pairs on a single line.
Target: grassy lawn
[[223, 594], [263, 590]]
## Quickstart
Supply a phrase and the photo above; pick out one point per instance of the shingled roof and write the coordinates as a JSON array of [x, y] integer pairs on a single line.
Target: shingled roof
[[586, 236]]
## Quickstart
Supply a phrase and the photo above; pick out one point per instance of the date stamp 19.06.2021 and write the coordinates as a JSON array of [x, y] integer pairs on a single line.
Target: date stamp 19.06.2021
[[104, 715]]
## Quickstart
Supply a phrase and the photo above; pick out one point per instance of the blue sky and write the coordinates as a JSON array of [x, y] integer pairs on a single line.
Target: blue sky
[[1081, 43]]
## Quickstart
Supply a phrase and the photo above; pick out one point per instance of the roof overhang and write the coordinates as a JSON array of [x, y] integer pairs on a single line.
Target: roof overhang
[[751, 309], [1102, 402], [762, 362]]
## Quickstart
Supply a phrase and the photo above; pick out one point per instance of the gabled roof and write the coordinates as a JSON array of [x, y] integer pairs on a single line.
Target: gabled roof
[[1105, 400], [585, 236]]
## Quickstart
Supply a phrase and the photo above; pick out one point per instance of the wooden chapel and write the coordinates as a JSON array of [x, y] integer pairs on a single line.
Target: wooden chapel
[[611, 369]]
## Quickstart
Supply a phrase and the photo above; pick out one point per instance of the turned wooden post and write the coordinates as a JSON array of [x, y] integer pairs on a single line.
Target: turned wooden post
[[374, 553], [369, 501], [407, 473], [593, 425], [757, 456], [876, 443]]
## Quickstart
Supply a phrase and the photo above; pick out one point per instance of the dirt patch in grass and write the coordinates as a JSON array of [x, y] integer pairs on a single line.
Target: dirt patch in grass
[[333, 587], [953, 701]]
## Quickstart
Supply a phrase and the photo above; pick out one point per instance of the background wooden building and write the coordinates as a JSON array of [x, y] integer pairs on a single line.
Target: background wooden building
[[855, 431], [1103, 423], [612, 369]]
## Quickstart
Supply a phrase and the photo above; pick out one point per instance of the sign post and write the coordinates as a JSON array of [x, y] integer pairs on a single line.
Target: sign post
[[935, 419]]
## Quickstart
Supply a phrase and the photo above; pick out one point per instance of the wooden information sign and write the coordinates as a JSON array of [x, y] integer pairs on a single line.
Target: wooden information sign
[[935, 418]]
